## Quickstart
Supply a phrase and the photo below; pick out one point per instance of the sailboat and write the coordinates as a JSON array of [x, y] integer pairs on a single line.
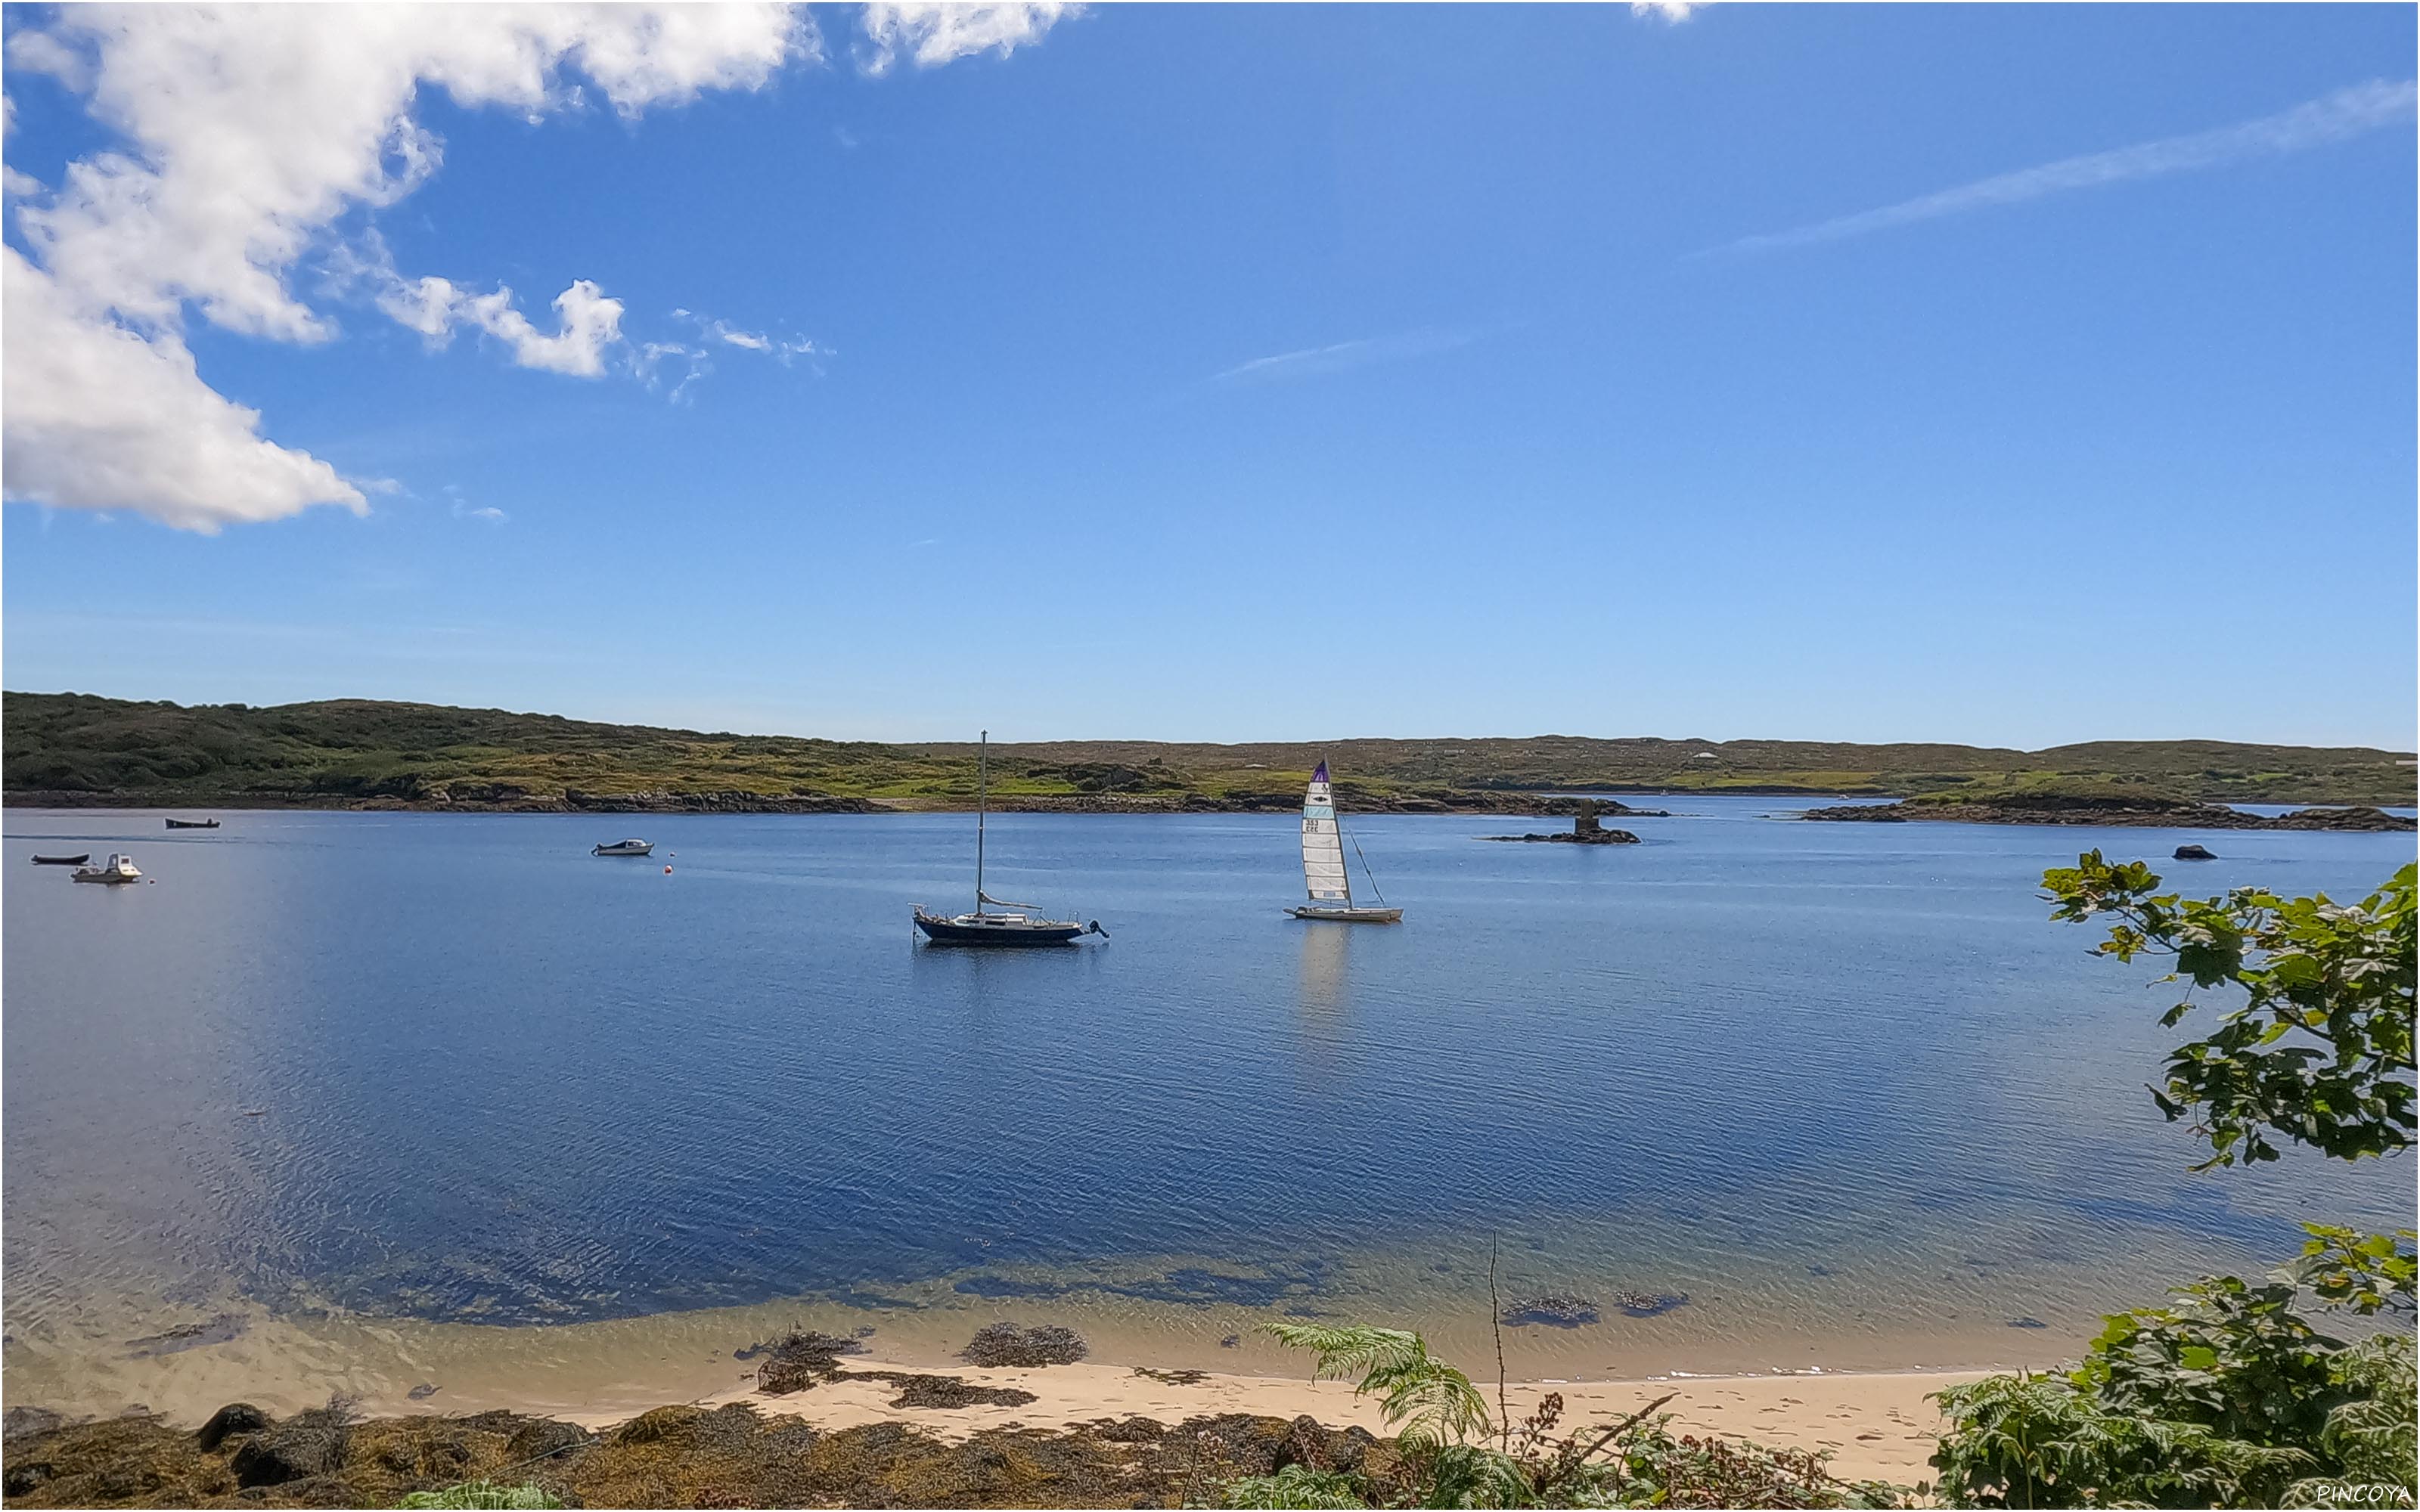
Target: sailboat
[[1323, 864], [984, 927]]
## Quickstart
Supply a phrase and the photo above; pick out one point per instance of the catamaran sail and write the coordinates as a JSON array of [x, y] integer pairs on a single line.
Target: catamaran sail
[[1323, 844], [1322, 863]]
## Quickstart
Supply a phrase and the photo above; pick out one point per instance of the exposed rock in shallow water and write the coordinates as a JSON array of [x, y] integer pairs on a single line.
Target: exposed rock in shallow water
[[218, 1330], [1602, 836], [2193, 853], [1648, 1303], [1554, 1312], [19, 1421]]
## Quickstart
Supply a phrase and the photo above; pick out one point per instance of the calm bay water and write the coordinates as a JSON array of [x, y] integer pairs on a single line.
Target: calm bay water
[[1842, 1087]]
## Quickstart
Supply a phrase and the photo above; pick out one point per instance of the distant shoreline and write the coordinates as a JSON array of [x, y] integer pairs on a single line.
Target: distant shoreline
[[1477, 803]]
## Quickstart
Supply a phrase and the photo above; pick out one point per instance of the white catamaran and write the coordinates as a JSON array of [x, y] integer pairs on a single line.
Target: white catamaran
[[1323, 864]]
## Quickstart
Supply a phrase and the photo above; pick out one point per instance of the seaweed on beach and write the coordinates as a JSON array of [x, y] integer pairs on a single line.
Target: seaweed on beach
[[945, 1391], [1005, 1345], [674, 1457], [798, 1360]]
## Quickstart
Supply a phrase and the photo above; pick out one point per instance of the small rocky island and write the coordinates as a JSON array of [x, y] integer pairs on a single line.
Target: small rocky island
[[1585, 830], [2112, 809]]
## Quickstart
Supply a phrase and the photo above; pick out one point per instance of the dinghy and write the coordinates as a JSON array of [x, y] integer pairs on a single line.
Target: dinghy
[[192, 824], [1323, 864], [63, 860], [983, 926]]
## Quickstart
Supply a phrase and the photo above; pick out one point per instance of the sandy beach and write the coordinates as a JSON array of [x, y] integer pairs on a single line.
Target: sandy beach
[[1878, 1426]]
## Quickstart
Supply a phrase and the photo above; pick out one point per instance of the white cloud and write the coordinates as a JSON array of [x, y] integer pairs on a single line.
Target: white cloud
[[246, 134], [2333, 117], [94, 416], [934, 32], [589, 323], [1312, 360], [1670, 10], [248, 131]]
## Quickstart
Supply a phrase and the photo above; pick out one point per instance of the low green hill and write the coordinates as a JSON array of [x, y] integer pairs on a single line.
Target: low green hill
[[76, 747]]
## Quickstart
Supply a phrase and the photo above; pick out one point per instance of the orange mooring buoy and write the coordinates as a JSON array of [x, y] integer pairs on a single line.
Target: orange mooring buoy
[[668, 871]]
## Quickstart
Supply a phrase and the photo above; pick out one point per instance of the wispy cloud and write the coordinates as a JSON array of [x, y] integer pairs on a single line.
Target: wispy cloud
[[2334, 117], [1312, 362], [1670, 10]]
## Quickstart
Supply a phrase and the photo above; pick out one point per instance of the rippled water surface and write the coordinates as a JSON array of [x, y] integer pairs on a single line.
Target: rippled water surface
[[1835, 1084]]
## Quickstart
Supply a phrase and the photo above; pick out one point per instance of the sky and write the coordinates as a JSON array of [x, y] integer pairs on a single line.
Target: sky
[[2004, 374]]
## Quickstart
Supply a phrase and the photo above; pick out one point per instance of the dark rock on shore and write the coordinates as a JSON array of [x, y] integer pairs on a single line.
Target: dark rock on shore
[[228, 1421], [305, 1445], [2065, 809], [2193, 853]]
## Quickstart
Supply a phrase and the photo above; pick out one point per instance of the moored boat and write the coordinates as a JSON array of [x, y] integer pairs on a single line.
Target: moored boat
[[626, 847], [1324, 876], [983, 926], [117, 869], [63, 860], [192, 824]]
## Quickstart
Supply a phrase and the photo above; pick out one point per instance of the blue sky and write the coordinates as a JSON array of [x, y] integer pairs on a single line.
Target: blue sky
[[1246, 372]]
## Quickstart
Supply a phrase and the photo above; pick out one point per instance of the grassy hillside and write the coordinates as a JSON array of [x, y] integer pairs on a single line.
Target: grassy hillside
[[79, 748]]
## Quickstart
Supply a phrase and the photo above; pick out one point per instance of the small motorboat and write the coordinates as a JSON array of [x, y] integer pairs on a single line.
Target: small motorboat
[[192, 824], [983, 926], [117, 869], [626, 847], [63, 860]]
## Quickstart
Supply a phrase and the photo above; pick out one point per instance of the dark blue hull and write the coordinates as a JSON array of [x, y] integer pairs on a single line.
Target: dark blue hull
[[1016, 934]]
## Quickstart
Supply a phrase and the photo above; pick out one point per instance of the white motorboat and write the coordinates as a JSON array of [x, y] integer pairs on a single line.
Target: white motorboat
[[626, 847], [117, 869]]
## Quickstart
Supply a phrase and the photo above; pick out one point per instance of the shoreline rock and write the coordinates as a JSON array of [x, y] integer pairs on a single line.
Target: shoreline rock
[[2160, 813]]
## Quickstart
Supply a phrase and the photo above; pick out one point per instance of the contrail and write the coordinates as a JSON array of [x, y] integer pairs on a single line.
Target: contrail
[[2332, 118]]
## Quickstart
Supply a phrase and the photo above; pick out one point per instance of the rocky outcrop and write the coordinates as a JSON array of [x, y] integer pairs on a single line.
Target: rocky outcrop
[[2139, 812], [2195, 853]]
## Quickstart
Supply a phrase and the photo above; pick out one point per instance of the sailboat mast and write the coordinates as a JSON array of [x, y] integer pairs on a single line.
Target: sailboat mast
[[983, 795], [1339, 849]]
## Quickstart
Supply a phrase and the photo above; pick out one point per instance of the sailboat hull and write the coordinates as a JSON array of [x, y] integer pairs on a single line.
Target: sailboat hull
[[999, 930], [1349, 916]]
